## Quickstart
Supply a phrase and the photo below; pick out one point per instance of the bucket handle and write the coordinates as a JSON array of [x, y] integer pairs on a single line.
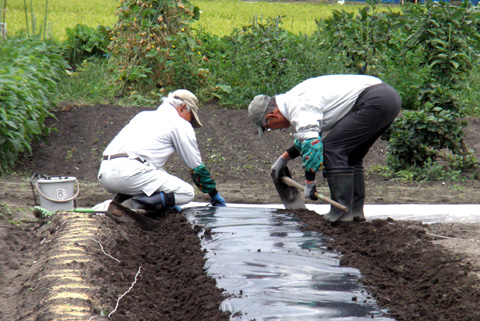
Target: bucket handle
[[58, 201]]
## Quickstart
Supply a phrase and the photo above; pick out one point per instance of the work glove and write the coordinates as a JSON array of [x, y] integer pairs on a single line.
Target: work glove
[[298, 145], [203, 179], [278, 165], [312, 154], [310, 191], [218, 200]]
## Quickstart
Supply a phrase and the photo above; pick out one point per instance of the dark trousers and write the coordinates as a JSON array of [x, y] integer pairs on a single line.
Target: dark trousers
[[352, 137]]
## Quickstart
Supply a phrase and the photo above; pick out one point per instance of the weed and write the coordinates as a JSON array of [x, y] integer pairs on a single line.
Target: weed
[[92, 82], [459, 188], [381, 170], [69, 155], [217, 158]]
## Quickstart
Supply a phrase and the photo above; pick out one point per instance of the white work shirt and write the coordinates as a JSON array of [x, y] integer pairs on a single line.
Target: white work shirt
[[317, 104], [155, 135]]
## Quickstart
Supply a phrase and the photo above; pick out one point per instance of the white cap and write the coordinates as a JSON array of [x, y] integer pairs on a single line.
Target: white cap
[[192, 102]]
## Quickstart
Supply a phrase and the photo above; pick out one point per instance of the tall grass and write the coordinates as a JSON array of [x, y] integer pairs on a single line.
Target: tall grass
[[62, 14], [471, 95], [93, 83], [222, 16], [218, 17]]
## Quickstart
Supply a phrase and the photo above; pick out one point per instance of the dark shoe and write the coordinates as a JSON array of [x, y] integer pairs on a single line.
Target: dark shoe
[[158, 201]]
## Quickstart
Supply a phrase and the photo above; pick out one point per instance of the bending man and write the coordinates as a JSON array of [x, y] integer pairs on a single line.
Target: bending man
[[132, 164], [337, 118]]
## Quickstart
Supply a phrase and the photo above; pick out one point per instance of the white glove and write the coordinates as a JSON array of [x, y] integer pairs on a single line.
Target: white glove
[[278, 165], [310, 191]]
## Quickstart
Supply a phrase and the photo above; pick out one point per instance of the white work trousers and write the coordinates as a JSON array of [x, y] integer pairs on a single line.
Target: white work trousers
[[131, 177]]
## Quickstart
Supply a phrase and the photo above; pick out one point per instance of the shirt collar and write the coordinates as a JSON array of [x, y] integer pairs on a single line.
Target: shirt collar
[[281, 101]]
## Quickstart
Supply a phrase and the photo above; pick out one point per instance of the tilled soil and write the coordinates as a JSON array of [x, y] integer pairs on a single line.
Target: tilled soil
[[417, 271], [403, 269], [107, 270], [172, 284]]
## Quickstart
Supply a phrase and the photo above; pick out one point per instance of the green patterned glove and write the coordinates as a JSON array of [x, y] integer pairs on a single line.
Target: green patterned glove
[[202, 178], [312, 154], [298, 145]]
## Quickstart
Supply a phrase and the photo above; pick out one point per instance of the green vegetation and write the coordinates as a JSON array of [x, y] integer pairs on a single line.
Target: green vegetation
[[440, 43], [93, 82], [83, 42], [154, 48], [61, 14], [221, 17], [428, 52], [29, 72]]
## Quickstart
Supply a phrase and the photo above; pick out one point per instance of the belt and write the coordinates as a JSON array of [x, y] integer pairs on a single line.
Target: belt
[[122, 155]]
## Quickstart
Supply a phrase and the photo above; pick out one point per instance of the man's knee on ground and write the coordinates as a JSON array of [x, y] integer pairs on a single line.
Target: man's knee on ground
[[186, 195]]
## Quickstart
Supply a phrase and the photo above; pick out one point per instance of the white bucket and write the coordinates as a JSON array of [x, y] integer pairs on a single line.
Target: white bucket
[[57, 193]]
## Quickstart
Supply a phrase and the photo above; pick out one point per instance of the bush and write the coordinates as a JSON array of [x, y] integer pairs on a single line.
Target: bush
[[359, 40], [447, 38], [262, 58], [154, 48], [427, 54]]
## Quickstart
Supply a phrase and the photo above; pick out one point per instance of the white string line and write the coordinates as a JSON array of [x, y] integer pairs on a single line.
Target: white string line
[[451, 238], [131, 287], [104, 250]]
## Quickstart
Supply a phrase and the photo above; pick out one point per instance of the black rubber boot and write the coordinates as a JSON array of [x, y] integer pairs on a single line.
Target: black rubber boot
[[340, 183], [158, 201], [358, 194]]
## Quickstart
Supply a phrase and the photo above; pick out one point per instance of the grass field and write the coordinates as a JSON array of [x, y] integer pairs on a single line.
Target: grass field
[[219, 17], [61, 14]]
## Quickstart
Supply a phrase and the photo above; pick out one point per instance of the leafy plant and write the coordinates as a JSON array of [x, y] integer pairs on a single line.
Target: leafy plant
[[84, 42], [29, 71], [448, 37], [418, 137]]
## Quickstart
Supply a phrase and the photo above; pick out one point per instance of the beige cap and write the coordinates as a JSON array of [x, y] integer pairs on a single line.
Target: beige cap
[[256, 111], [192, 102]]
